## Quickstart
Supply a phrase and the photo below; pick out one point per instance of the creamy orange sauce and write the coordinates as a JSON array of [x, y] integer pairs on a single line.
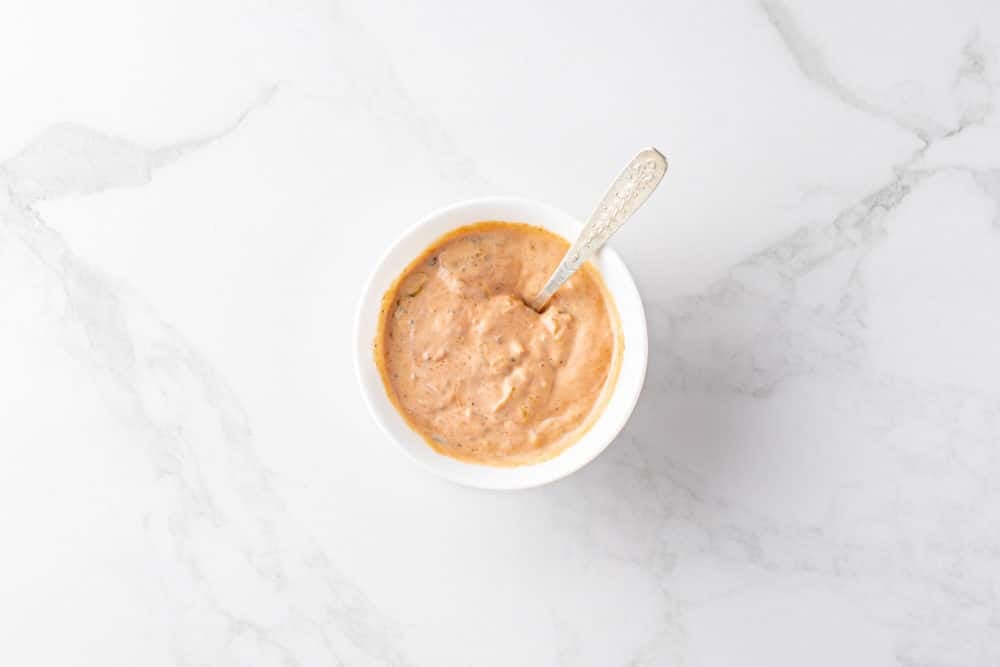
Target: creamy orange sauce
[[480, 375]]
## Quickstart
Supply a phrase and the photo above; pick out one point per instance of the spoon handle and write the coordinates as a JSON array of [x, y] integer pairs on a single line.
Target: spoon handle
[[629, 191]]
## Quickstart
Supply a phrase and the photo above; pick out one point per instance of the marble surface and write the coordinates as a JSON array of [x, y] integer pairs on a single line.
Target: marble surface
[[191, 194]]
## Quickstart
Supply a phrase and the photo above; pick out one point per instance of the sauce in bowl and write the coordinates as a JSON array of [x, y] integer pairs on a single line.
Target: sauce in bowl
[[477, 373]]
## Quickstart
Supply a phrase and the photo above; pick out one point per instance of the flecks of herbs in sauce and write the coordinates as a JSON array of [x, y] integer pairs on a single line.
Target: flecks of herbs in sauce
[[480, 375]]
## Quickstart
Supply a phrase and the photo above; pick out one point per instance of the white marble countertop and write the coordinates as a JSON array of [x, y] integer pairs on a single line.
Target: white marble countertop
[[191, 194]]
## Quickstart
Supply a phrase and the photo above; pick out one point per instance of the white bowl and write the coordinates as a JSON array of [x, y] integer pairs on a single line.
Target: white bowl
[[623, 397]]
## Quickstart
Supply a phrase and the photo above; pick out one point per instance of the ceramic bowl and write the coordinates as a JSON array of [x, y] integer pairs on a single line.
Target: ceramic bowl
[[623, 397]]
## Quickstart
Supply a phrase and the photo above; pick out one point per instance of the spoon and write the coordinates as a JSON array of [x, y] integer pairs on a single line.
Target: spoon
[[629, 191]]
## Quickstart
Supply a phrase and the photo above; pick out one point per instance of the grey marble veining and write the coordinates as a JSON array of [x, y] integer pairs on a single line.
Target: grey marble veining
[[190, 197]]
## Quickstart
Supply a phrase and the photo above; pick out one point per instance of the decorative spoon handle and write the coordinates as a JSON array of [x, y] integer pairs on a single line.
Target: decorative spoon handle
[[629, 191]]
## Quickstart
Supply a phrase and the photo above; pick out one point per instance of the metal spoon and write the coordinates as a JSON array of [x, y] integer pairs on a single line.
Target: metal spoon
[[629, 191]]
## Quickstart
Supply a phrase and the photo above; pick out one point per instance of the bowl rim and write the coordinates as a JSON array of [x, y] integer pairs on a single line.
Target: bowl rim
[[637, 343]]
